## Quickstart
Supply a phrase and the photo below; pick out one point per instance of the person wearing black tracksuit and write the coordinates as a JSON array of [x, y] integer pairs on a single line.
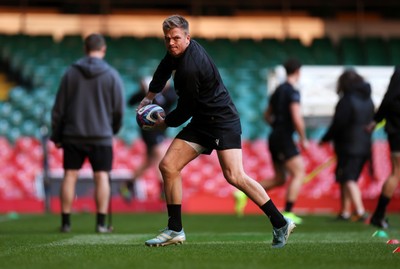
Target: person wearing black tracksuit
[[389, 110], [87, 113], [351, 139], [214, 124]]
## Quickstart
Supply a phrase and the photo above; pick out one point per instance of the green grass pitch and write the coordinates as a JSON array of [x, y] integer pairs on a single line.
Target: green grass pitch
[[213, 241]]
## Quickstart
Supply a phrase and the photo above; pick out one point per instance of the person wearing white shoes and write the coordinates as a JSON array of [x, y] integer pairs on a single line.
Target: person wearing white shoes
[[214, 124]]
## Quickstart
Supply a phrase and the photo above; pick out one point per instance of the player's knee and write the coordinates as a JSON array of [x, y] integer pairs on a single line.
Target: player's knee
[[167, 168], [234, 178], [163, 166]]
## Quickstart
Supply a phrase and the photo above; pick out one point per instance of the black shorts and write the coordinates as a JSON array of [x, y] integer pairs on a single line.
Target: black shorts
[[349, 167], [152, 139], [100, 157], [282, 147], [394, 143], [223, 136]]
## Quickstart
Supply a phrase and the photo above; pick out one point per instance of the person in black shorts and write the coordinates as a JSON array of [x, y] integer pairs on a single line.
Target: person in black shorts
[[351, 139], [284, 116], [389, 110], [214, 125], [153, 139], [87, 112]]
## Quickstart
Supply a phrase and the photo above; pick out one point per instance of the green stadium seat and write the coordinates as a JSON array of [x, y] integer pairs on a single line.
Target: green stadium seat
[[296, 49], [72, 41], [13, 134], [324, 52], [5, 110], [29, 128], [274, 52], [16, 118], [350, 51], [16, 95], [243, 65], [4, 127], [376, 51], [394, 51]]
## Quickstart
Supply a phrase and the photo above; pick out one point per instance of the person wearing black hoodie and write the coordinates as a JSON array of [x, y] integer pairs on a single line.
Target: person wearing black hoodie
[[351, 140], [389, 110], [86, 114]]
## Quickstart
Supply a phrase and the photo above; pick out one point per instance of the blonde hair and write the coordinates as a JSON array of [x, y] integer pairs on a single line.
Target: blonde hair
[[176, 21]]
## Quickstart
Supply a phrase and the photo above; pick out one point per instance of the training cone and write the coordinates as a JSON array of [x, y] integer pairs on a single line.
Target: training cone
[[393, 242], [396, 250], [380, 233], [13, 215]]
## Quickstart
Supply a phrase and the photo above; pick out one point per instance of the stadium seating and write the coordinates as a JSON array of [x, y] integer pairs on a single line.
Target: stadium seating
[[394, 51], [375, 51], [350, 51], [21, 166], [324, 51], [243, 64]]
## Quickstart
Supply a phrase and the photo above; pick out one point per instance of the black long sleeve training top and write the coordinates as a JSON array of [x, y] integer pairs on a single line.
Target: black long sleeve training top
[[389, 108], [202, 95]]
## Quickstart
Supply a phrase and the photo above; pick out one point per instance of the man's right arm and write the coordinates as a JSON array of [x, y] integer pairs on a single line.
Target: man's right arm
[[161, 76]]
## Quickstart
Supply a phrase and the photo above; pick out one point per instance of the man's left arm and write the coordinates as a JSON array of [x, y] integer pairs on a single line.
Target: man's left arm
[[57, 114]]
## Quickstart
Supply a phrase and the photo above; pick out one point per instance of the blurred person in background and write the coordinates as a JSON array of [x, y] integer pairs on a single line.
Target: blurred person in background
[[389, 110], [214, 125], [351, 140], [284, 116], [87, 112], [153, 139]]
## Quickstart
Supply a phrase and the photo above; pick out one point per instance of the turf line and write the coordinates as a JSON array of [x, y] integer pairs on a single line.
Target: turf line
[[220, 238]]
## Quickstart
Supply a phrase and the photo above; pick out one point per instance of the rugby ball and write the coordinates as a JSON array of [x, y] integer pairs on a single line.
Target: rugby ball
[[147, 116]]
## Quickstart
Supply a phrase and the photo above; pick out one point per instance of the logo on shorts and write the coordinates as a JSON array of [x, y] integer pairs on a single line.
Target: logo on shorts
[[217, 141]]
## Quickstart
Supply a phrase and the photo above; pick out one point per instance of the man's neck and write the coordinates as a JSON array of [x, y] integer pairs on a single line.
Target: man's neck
[[96, 54], [292, 80]]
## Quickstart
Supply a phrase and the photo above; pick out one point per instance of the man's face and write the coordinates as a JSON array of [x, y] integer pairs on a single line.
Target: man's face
[[176, 41]]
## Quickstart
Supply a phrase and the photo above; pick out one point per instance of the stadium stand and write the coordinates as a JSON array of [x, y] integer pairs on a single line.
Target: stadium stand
[[38, 62], [394, 51], [350, 51], [324, 51]]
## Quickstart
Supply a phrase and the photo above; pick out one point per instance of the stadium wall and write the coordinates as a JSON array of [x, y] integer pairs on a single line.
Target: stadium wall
[[304, 27]]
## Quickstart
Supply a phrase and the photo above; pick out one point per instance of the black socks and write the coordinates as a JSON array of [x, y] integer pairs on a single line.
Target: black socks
[[276, 218], [65, 219], [288, 206], [101, 219], [174, 218], [381, 207]]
